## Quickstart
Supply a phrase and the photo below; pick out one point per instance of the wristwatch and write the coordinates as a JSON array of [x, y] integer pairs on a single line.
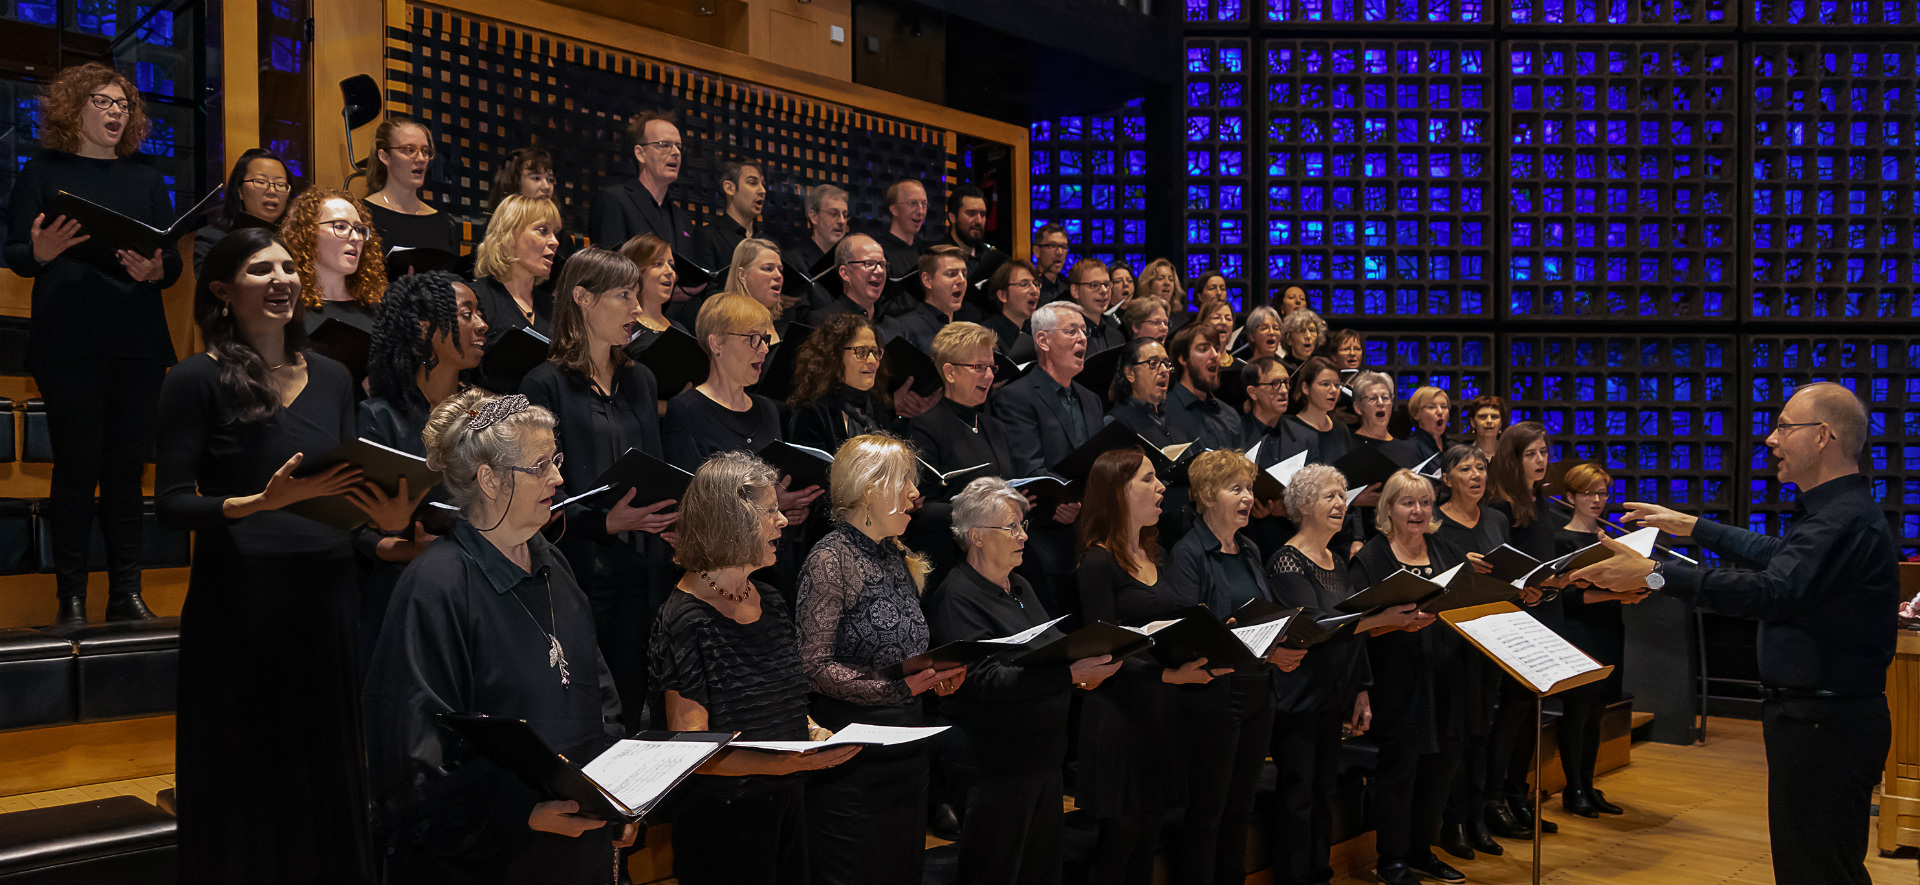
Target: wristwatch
[[1655, 580]]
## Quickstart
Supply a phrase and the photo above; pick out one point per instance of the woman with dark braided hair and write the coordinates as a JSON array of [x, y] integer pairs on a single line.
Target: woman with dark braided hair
[[236, 423]]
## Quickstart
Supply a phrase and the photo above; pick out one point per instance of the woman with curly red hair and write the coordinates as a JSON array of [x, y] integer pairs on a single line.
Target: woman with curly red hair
[[98, 345], [338, 252]]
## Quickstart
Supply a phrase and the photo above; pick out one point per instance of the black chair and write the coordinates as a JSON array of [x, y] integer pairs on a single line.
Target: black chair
[[125, 669], [120, 840], [39, 674]]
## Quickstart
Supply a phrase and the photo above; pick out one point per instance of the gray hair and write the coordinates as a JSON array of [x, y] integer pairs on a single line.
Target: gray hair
[[1309, 485], [457, 451], [1366, 381], [1051, 316], [1260, 316], [819, 194], [1303, 319], [974, 507], [720, 517]]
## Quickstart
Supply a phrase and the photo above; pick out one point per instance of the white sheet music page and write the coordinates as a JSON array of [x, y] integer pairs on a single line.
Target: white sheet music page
[[1259, 637], [638, 772], [1025, 636], [856, 733], [1539, 655]]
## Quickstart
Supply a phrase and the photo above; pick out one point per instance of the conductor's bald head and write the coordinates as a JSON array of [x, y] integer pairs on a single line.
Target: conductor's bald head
[[1839, 409], [1818, 435]]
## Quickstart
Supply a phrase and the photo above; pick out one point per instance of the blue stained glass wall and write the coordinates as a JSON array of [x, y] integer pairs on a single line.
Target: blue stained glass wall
[[1422, 12], [1220, 171], [1834, 166], [1830, 13], [1621, 179], [1378, 163], [1088, 174]]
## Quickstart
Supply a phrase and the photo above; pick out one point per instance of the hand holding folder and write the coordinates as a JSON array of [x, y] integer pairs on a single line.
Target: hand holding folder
[[104, 233], [621, 784], [377, 465]]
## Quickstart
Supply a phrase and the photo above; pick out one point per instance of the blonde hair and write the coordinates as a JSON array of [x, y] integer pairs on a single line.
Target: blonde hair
[[1402, 482], [516, 213], [723, 314], [744, 254], [876, 463], [1422, 398], [957, 338], [1152, 273], [458, 453], [1213, 472], [719, 523], [1582, 477]]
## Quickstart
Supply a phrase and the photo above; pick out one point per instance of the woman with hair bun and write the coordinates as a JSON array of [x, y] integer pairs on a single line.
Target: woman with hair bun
[[396, 172], [448, 813], [98, 343]]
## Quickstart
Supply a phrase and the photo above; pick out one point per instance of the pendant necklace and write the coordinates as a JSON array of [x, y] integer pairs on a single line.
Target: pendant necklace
[[556, 655]]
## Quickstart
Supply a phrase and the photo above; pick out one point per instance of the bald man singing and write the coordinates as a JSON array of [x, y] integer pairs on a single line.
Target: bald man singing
[[1826, 595]]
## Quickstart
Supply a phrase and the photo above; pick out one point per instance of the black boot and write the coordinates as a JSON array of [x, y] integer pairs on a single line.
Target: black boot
[[1453, 839], [73, 611], [1480, 839], [1500, 821], [1437, 868], [944, 822], [127, 607], [1576, 801]]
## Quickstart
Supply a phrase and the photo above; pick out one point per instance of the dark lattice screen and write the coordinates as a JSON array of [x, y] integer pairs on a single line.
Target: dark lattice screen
[[487, 89]]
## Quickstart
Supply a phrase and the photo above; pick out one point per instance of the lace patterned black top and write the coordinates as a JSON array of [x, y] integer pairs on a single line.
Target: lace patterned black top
[[1335, 670], [859, 611]]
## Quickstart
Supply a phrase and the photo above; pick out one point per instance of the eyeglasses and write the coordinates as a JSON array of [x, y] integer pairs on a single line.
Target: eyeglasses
[[1277, 384], [1602, 494], [1157, 363], [755, 339], [413, 151], [1777, 427], [1378, 399], [988, 368], [912, 204], [104, 101], [870, 265], [272, 187], [1097, 287], [1023, 285], [1061, 246], [665, 147], [1018, 529], [863, 352], [347, 230], [540, 467]]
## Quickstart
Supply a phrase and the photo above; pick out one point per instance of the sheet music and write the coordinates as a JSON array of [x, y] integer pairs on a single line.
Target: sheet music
[[1284, 471], [1259, 637], [1025, 636], [857, 733], [1539, 655], [1153, 627], [638, 772]]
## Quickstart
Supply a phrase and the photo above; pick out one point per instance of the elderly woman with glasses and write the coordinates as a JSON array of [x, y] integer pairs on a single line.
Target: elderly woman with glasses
[[1013, 719], [726, 657], [859, 616], [451, 814], [1145, 318], [957, 433]]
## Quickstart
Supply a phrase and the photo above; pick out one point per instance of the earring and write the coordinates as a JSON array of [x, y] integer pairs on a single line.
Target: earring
[[223, 310], [869, 519]]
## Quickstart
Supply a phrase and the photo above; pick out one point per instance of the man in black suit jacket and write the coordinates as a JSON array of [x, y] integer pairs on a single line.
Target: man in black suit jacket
[[626, 210], [1047, 417]]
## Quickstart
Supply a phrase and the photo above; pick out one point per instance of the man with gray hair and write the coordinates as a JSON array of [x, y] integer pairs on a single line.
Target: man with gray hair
[[1825, 594], [827, 216]]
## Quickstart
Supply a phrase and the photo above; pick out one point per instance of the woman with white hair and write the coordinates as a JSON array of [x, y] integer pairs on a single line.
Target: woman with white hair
[[1013, 719], [859, 615], [450, 813], [1301, 333]]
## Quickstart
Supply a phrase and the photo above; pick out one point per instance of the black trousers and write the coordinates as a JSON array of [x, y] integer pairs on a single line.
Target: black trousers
[[1578, 732], [720, 839], [1013, 829], [1409, 793], [1225, 738], [1306, 757], [1510, 745], [867, 818], [100, 422], [625, 587], [1824, 758], [1123, 850]]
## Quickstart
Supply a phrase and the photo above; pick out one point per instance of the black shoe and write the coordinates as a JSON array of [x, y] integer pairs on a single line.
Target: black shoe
[[1480, 839], [1576, 801], [1453, 838], [73, 612], [1601, 804], [944, 822], [1500, 821], [127, 607], [1397, 873], [1522, 806], [1437, 868]]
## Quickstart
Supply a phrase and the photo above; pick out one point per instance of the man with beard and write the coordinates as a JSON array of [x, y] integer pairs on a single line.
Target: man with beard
[[827, 216], [943, 276], [1191, 405], [745, 192], [1090, 287], [967, 224], [1017, 296], [626, 210], [1047, 417], [1050, 249]]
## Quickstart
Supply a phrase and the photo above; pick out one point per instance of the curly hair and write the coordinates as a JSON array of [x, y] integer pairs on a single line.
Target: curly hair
[[242, 370], [300, 232], [65, 97], [400, 347], [817, 367]]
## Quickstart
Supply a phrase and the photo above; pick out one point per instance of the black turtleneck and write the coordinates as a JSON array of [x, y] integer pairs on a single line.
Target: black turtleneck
[[842, 414], [951, 437]]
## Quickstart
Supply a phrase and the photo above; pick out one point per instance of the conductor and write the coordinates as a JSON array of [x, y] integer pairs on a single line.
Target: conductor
[[1826, 596]]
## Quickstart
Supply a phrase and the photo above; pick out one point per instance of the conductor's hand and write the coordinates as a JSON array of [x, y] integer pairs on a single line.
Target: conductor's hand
[[283, 488], [388, 513], [560, 817], [1088, 673], [1911, 608], [1287, 659], [51, 239], [142, 268], [1625, 571], [1673, 522], [624, 517], [1065, 514]]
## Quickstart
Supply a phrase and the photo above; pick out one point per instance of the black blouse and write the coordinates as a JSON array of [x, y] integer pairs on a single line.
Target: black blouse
[[951, 437], [859, 612], [1486, 535], [398, 230], [503, 314], [595, 427], [1150, 421], [1112, 594], [644, 337], [1014, 718], [1417, 677], [840, 415], [1334, 671], [696, 427], [1322, 446]]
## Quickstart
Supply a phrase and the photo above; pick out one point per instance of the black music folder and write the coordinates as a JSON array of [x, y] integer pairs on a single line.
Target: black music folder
[[1470, 588], [902, 360], [1196, 633], [676, 360], [343, 342], [776, 377], [651, 480], [378, 464], [510, 359], [1098, 371], [108, 232], [1365, 465], [806, 465], [688, 275], [965, 651], [1093, 640], [1049, 492], [620, 785], [419, 259], [1400, 588]]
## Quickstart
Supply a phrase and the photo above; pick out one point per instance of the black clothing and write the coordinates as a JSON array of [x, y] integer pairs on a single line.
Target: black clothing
[[1104, 334], [840, 304], [840, 415], [1039, 414], [503, 314], [1306, 760], [696, 426], [903, 258], [1480, 778], [951, 436], [1052, 288], [205, 238], [469, 631], [1014, 723], [1425, 445], [1004, 329], [1150, 421], [101, 414], [620, 212], [399, 230], [381, 421], [760, 837], [1208, 422], [918, 324], [1486, 536], [1825, 757], [252, 577], [644, 337], [804, 257], [1323, 446], [1336, 670], [384, 422], [713, 247]]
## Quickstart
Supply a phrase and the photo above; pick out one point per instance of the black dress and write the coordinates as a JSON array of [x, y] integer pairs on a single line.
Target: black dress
[[354, 314], [267, 639], [381, 421], [748, 678], [695, 427], [644, 337], [1481, 685], [469, 632], [398, 230], [1600, 630], [952, 437]]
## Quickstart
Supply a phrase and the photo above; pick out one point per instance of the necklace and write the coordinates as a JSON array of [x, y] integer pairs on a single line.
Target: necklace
[[556, 654], [744, 591]]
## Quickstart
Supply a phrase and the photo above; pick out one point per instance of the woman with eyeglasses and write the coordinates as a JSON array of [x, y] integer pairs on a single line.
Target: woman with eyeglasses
[[1261, 336], [1431, 409], [657, 277], [339, 256], [489, 619], [510, 269], [97, 342], [1123, 283], [957, 433], [1012, 719], [835, 393], [603, 405], [267, 636], [1145, 318], [258, 192], [396, 171], [1595, 625]]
